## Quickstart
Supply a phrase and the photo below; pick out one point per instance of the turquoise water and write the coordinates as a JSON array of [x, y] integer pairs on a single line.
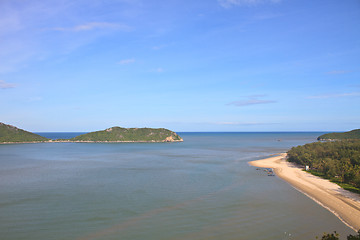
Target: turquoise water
[[202, 188]]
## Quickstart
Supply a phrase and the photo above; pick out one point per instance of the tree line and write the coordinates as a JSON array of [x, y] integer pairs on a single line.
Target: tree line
[[335, 236], [338, 161]]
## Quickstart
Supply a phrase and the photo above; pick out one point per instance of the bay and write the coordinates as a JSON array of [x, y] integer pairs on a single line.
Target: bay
[[202, 188]]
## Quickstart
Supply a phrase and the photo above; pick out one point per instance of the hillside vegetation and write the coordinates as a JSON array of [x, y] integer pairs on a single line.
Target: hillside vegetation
[[338, 161], [11, 134], [354, 134], [118, 134]]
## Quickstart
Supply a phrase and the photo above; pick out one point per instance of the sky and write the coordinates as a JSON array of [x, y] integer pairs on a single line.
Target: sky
[[205, 65]]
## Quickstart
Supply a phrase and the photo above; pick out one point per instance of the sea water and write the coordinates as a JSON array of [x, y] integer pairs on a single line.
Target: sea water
[[202, 188]]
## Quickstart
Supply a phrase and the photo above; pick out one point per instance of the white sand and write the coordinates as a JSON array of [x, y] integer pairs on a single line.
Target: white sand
[[344, 204]]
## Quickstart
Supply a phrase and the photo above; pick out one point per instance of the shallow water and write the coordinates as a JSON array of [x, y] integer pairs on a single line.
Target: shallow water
[[202, 188]]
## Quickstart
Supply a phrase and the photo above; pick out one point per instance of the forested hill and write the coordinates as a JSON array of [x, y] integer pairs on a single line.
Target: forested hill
[[354, 134], [11, 134], [118, 134]]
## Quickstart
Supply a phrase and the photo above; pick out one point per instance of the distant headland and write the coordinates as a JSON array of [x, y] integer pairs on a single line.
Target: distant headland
[[11, 134], [354, 134]]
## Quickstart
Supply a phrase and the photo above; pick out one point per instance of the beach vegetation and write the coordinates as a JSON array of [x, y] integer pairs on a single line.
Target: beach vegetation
[[338, 161], [335, 236], [330, 236]]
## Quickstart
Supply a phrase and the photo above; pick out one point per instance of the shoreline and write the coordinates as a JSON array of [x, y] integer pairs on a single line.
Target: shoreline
[[66, 141], [343, 204]]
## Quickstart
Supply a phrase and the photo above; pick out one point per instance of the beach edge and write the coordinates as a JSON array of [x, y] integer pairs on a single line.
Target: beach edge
[[343, 204]]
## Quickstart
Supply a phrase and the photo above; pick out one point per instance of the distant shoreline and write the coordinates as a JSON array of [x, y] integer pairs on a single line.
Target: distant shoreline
[[65, 141], [343, 204]]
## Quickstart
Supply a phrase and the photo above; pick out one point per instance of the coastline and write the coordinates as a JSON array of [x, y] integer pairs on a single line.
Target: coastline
[[68, 141], [343, 204]]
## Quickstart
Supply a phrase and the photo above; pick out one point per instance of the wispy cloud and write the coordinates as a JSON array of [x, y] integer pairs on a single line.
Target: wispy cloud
[[231, 3], [158, 70], [126, 61], [266, 16], [353, 94], [92, 26], [334, 72], [252, 100], [28, 31], [35, 99], [158, 47], [244, 123], [5, 85]]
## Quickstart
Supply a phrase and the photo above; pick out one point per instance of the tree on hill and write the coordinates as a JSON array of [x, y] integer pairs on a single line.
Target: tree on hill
[[354, 134], [118, 134]]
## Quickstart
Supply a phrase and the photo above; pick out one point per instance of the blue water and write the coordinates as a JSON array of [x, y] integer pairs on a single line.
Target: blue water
[[202, 188]]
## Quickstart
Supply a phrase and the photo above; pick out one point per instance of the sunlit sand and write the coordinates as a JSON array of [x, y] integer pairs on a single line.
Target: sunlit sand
[[344, 204]]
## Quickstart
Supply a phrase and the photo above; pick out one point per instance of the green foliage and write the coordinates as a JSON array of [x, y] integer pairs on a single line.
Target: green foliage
[[10, 133], [335, 236], [347, 186], [354, 134], [118, 134], [338, 161], [354, 237], [330, 236]]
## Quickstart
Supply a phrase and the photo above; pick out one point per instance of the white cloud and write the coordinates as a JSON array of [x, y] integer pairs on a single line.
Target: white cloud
[[94, 25], [35, 99], [354, 94], [337, 72], [5, 85], [158, 47], [252, 100], [231, 3], [126, 61], [158, 70], [243, 123], [266, 16], [29, 30]]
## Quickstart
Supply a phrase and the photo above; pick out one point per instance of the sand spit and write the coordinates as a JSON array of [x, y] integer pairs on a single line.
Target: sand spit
[[344, 204]]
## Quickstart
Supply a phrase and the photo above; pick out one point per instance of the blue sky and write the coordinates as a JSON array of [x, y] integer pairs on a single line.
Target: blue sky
[[214, 65]]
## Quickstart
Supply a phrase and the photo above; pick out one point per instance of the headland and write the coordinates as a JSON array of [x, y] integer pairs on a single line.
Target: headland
[[10, 134]]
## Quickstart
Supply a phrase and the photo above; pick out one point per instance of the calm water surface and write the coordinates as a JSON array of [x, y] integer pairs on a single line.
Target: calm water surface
[[202, 188]]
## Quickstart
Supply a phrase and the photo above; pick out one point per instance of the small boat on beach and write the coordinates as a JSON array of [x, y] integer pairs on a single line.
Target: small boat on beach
[[269, 171]]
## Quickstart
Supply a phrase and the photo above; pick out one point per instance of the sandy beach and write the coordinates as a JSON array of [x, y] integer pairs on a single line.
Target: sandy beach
[[344, 204]]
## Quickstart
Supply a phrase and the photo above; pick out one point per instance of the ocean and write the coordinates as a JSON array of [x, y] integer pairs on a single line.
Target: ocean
[[202, 188]]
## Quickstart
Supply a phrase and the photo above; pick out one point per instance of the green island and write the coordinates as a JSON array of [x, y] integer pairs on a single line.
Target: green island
[[338, 161], [354, 134], [11, 134], [118, 134]]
